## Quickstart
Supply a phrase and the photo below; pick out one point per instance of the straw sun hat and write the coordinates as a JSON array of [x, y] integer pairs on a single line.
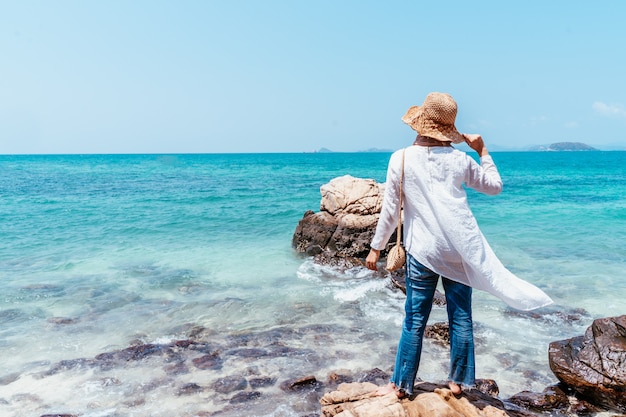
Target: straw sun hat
[[435, 118]]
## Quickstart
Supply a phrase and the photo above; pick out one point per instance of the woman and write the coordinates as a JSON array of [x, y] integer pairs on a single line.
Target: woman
[[442, 238]]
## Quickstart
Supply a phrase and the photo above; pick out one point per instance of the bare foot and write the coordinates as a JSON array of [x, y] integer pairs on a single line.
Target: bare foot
[[387, 389], [454, 388]]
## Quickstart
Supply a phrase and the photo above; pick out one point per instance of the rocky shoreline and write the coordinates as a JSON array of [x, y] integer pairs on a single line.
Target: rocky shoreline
[[591, 368], [198, 367], [307, 370]]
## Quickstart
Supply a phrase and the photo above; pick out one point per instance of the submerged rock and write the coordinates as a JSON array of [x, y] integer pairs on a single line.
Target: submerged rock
[[210, 361], [244, 396], [229, 384]]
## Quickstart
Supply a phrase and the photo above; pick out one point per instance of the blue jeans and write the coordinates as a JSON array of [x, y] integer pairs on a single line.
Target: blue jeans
[[421, 283]]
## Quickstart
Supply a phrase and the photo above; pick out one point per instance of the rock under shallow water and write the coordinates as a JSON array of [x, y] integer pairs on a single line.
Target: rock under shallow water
[[249, 370]]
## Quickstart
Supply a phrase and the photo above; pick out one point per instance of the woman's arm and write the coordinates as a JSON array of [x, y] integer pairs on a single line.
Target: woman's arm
[[484, 178], [388, 219]]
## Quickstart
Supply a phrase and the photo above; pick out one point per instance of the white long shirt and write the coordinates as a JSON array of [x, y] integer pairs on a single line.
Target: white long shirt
[[440, 230]]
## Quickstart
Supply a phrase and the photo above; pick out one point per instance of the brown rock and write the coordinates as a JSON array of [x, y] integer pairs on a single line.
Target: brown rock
[[439, 332], [593, 364], [339, 377], [488, 387], [244, 396], [346, 222], [210, 361], [314, 232], [350, 195], [300, 383], [229, 384], [430, 400], [552, 398], [583, 408]]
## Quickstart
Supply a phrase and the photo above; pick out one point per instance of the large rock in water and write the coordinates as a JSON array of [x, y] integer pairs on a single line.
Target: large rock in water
[[594, 365], [346, 223]]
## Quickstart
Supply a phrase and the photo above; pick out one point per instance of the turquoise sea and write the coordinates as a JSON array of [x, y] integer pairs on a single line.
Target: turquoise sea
[[99, 253]]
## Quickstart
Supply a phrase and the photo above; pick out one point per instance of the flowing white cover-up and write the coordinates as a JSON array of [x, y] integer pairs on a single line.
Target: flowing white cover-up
[[440, 230]]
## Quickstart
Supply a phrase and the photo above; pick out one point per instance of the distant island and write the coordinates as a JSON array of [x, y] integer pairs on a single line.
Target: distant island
[[374, 150], [555, 147], [564, 146]]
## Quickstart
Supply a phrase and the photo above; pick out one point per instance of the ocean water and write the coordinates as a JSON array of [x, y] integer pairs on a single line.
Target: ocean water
[[102, 253]]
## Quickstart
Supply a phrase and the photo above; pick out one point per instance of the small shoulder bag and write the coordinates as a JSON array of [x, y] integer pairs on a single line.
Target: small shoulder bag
[[397, 256]]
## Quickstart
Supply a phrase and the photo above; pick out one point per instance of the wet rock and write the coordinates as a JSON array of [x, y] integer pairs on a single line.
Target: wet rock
[[345, 224], [199, 332], [244, 396], [260, 382], [308, 402], [375, 376], [438, 332], [136, 402], [210, 361], [229, 384], [61, 320], [7, 379], [286, 351], [134, 353], [398, 279], [66, 365], [551, 315], [203, 347], [353, 236], [246, 352], [184, 343], [320, 328], [11, 315], [342, 263], [190, 388], [59, 415], [271, 336], [178, 368], [593, 364], [440, 299], [299, 384], [314, 232], [583, 408], [552, 398], [339, 377], [488, 387]]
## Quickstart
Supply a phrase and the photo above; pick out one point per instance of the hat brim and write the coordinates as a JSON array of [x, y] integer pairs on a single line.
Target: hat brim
[[430, 128]]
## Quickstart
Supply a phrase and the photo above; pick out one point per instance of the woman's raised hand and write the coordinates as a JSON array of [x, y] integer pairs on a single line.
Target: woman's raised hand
[[475, 141]]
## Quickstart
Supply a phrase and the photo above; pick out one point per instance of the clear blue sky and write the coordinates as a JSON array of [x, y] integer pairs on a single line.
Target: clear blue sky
[[292, 76]]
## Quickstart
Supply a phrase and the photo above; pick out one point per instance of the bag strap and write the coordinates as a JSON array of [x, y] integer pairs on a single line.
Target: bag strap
[[398, 236]]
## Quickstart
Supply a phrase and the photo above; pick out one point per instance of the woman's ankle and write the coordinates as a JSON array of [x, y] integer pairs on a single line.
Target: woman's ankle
[[455, 388]]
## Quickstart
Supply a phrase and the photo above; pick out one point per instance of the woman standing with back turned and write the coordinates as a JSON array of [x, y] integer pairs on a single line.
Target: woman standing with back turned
[[442, 238]]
